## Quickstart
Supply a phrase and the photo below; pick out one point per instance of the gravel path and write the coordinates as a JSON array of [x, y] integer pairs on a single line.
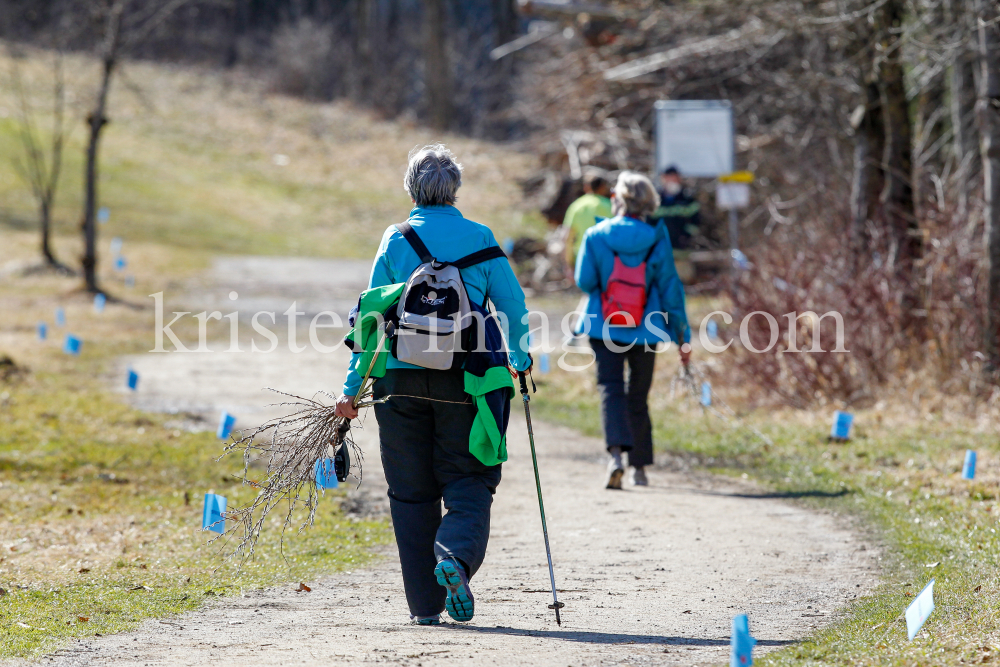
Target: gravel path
[[650, 576]]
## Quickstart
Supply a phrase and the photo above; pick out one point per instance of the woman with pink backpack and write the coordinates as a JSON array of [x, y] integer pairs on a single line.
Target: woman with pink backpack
[[635, 303]]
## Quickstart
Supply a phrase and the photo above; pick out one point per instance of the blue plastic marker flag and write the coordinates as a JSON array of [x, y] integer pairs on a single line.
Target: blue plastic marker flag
[[706, 394], [741, 643], [226, 423], [60, 317], [508, 246], [120, 263], [99, 301], [969, 467], [211, 517], [919, 610], [842, 422], [712, 329], [103, 214], [133, 380], [116, 245], [326, 476], [72, 345], [543, 363], [43, 331]]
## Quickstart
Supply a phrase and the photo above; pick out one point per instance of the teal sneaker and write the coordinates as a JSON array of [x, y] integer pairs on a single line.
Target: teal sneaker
[[460, 603], [426, 620]]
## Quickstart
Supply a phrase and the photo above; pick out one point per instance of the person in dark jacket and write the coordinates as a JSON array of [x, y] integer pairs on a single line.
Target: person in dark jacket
[[679, 211], [630, 238]]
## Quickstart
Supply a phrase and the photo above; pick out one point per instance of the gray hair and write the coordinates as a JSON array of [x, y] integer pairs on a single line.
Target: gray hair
[[433, 176], [634, 196]]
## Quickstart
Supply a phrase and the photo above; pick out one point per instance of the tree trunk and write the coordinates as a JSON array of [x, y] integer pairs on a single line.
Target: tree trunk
[[869, 179], [239, 28], [905, 240], [96, 122], [45, 215], [962, 84], [989, 130], [364, 21], [437, 68], [505, 20], [931, 117]]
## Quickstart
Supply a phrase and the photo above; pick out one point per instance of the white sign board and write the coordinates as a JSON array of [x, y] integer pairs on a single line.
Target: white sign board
[[696, 136]]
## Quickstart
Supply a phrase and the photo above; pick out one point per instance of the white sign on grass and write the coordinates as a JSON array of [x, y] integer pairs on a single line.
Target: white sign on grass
[[919, 610], [696, 136]]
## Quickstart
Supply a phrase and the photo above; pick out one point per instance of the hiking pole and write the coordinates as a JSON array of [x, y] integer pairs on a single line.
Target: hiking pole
[[556, 604]]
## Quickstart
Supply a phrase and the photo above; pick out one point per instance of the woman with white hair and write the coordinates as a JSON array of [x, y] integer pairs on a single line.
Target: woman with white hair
[[635, 302], [425, 426]]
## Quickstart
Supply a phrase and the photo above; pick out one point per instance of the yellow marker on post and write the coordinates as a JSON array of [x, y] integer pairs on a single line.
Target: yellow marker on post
[[737, 177]]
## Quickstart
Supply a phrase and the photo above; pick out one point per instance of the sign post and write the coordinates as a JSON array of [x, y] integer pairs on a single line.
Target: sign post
[[732, 193]]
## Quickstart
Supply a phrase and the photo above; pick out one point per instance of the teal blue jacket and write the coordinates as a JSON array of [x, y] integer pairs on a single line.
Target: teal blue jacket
[[665, 317], [449, 236]]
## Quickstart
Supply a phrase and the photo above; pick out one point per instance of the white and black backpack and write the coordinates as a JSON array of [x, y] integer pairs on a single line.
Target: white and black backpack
[[434, 310]]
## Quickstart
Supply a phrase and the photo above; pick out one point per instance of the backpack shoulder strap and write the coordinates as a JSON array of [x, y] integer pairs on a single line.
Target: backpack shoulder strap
[[480, 256], [418, 246], [651, 249]]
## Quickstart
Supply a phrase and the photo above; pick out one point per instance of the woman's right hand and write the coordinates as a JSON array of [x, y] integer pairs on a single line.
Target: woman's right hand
[[345, 407], [685, 352]]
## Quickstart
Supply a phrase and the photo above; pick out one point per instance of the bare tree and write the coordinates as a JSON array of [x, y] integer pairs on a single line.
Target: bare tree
[[40, 160], [989, 129], [126, 23]]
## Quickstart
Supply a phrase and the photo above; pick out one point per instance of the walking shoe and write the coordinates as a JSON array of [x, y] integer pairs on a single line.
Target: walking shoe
[[426, 620], [639, 476], [615, 474], [459, 603]]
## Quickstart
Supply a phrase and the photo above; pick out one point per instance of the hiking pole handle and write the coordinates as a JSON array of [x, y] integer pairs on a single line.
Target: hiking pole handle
[[522, 376]]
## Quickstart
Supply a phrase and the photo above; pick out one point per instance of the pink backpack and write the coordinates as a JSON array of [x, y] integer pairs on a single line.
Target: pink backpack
[[623, 301]]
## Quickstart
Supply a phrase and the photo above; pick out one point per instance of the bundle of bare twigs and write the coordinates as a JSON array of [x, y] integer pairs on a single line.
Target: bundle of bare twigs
[[288, 449], [312, 432]]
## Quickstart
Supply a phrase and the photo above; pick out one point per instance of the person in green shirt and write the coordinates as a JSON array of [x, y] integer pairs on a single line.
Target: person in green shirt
[[584, 212]]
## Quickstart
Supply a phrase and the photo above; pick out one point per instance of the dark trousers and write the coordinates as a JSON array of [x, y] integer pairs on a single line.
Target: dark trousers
[[625, 404], [425, 454]]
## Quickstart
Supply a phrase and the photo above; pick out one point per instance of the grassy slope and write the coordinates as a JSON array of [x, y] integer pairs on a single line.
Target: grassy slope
[[189, 171], [900, 476], [190, 159]]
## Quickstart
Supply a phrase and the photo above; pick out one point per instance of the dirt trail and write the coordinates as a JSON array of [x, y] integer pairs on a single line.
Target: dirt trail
[[650, 576]]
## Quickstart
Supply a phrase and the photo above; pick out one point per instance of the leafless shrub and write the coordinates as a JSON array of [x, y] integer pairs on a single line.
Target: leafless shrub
[[811, 268]]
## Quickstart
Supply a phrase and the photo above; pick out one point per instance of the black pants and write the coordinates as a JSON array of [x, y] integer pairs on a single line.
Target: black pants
[[625, 405], [425, 454]]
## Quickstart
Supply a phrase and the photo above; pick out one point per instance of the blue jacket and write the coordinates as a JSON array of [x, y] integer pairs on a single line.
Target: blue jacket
[[665, 317], [449, 236]]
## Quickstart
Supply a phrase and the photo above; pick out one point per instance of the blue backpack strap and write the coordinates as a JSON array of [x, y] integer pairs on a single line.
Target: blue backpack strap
[[418, 246]]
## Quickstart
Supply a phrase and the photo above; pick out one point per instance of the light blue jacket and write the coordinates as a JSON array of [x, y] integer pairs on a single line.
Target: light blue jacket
[[665, 317], [449, 236]]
